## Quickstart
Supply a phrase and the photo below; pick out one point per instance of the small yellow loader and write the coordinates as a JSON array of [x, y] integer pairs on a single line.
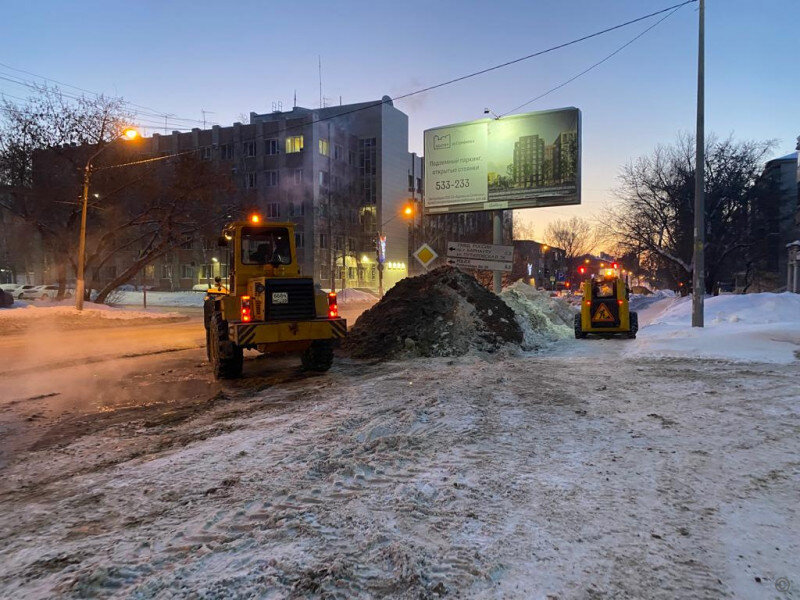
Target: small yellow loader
[[604, 308]]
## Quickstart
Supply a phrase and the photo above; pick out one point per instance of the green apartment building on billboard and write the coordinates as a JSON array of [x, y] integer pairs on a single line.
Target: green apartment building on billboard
[[521, 161]]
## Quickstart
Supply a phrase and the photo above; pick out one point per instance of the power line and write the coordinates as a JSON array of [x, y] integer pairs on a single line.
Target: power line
[[595, 65], [457, 79]]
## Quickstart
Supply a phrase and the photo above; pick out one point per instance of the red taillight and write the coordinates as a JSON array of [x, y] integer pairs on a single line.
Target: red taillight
[[246, 314], [619, 302], [333, 308]]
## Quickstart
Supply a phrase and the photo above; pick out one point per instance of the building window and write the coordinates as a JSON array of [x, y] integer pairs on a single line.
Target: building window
[[299, 209], [249, 149], [205, 153], [338, 152], [351, 158], [187, 271], [271, 147], [323, 240], [298, 176], [226, 152], [419, 185], [324, 147], [298, 239], [207, 272], [323, 178], [166, 271], [294, 143], [273, 210], [271, 178], [250, 180]]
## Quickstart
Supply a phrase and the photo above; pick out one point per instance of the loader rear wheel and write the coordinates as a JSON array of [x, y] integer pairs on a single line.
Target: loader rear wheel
[[634, 321], [318, 356], [226, 358], [579, 333]]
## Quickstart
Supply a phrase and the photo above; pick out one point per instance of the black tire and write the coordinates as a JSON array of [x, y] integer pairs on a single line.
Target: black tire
[[579, 334], [226, 358], [318, 356], [634, 321]]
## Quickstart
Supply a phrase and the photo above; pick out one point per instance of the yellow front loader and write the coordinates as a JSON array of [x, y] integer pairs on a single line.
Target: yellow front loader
[[266, 304]]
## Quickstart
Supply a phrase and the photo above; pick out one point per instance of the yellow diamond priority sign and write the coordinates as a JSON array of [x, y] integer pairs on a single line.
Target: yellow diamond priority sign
[[425, 255]]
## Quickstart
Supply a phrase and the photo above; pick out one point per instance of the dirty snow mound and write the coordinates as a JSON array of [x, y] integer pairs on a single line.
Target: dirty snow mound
[[442, 313], [543, 319]]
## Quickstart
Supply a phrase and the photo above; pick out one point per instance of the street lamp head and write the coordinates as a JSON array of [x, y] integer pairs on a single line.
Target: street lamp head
[[130, 134], [214, 259], [408, 210]]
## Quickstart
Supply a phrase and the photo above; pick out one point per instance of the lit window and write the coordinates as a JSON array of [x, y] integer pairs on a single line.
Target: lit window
[[324, 148], [294, 144]]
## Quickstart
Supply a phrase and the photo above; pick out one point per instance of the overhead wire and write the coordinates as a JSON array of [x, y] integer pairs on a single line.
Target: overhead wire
[[370, 105], [595, 65]]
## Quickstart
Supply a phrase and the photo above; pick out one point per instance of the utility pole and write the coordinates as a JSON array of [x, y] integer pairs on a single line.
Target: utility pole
[[497, 239], [698, 268]]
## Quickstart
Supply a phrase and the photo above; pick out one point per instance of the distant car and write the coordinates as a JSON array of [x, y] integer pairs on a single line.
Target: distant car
[[10, 287], [6, 299], [22, 290], [45, 292]]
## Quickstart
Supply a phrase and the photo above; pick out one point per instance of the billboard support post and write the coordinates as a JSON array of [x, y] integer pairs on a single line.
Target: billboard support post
[[497, 239]]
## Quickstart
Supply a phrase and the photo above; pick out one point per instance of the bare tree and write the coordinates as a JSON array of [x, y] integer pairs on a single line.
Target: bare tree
[[575, 236], [655, 216]]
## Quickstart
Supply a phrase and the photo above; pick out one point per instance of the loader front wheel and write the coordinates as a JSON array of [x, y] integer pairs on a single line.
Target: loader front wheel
[[226, 358], [318, 356]]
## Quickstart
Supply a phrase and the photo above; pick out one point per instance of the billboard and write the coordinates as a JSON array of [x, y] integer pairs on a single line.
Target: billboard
[[520, 161]]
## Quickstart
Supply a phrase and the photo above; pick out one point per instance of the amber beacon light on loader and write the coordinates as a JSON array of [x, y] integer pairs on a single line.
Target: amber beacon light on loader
[[604, 308], [266, 305]]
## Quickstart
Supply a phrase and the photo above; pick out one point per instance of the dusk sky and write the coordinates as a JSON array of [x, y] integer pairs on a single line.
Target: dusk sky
[[231, 58]]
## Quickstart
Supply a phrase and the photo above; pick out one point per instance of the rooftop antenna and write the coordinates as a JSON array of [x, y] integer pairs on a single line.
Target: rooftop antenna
[[166, 115], [319, 58], [295, 100], [206, 112], [488, 110]]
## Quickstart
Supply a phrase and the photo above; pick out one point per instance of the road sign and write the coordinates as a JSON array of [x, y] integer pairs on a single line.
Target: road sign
[[603, 315], [473, 263], [425, 255], [480, 251]]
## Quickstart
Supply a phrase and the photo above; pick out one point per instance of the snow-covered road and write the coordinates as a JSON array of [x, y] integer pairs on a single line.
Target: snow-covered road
[[580, 475]]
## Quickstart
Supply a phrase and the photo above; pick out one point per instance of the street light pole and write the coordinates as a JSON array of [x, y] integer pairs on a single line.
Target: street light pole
[[87, 176], [698, 268]]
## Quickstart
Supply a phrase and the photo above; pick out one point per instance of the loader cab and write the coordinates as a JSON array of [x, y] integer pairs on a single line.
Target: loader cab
[[259, 249]]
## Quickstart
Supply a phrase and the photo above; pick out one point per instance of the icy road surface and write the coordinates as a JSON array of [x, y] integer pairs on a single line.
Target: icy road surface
[[598, 476]]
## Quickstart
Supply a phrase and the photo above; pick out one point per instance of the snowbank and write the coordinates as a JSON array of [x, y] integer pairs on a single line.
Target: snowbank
[[761, 327], [67, 308], [182, 299], [543, 319]]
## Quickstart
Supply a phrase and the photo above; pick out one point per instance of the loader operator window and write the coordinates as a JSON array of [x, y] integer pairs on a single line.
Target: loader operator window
[[264, 246]]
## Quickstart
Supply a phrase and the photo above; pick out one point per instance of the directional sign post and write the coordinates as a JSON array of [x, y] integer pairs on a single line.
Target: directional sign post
[[489, 257]]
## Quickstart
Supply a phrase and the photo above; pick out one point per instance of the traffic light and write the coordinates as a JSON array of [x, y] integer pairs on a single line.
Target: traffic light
[[582, 270], [615, 266]]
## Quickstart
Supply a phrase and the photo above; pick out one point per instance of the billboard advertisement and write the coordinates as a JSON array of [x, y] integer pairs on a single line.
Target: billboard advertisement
[[520, 161]]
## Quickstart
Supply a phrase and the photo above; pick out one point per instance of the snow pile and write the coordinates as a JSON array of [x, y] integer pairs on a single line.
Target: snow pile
[[353, 296], [442, 313], [543, 318], [182, 299], [64, 314], [761, 327]]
